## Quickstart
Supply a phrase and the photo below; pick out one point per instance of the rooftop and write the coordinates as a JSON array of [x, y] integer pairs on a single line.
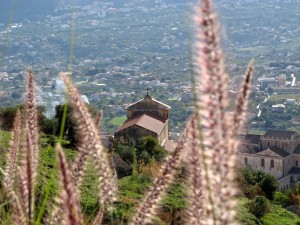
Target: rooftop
[[295, 170], [146, 99], [279, 134], [146, 120], [251, 139]]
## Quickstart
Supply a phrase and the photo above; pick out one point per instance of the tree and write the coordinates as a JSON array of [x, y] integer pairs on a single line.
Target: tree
[[269, 185], [69, 130], [148, 148], [257, 183]]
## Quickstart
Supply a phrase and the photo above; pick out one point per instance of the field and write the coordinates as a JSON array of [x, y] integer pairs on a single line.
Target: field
[[284, 97], [117, 121]]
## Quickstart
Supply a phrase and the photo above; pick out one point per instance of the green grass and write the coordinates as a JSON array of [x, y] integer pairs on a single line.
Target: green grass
[[4, 141], [47, 180], [280, 216], [276, 215], [131, 192], [259, 132], [284, 97], [118, 121], [243, 214]]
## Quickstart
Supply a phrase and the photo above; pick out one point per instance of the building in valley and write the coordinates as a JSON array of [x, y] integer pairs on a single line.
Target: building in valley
[[277, 152], [147, 117]]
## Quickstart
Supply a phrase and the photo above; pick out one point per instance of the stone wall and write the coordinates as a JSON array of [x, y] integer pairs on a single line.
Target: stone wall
[[133, 131], [285, 145], [255, 162], [164, 135], [284, 183]]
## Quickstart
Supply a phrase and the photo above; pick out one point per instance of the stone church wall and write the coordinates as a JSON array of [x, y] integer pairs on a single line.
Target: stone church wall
[[255, 163], [285, 145], [284, 183], [134, 131], [164, 135]]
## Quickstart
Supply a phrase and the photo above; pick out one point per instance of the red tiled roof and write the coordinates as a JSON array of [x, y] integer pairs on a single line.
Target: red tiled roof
[[146, 120]]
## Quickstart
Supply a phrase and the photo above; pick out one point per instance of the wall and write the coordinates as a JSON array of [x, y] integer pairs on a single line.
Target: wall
[[254, 162], [284, 183], [134, 131]]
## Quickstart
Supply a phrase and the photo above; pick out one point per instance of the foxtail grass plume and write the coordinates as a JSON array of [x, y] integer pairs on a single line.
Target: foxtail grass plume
[[31, 121], [13, 150], [195, 174], [218, 130], [71, 210], [29, 152], [17, 212], [88, 131]]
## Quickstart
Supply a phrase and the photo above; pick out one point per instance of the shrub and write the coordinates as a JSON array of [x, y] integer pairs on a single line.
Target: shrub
[[147, 148], [255, 183], [259, 206], [269, 185], [294, 195], [281, 199]]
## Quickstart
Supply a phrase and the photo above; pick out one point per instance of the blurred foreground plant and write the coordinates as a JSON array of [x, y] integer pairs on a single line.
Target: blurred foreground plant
[[208, 145]]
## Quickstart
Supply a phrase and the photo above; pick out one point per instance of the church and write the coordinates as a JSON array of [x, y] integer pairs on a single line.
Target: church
[[277, 152], [147, 117]]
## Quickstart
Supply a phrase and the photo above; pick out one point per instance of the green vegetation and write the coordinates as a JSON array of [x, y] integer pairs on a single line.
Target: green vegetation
[[255, 183], [259, 206], [131, 188], [276, 215], [118, 121], [283, 97]]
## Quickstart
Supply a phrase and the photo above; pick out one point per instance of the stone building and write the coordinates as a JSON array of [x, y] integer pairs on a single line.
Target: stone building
[[277, 152], [147, 117]]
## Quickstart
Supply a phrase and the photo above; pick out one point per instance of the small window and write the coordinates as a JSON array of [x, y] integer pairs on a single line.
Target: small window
[[262, 163], [296, 162], [272, 163], [246, 161]]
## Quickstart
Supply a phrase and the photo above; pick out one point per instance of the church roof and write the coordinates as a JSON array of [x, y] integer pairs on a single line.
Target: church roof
[[297, 149], [146, 120], [295, 170], [148, 98], [279, 134], [279, 151], [276, 150], [251, 139]]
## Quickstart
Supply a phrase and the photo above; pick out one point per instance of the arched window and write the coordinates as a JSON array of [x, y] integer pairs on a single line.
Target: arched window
[[272, 163], [246, 161], [296, 162], [262, 162]]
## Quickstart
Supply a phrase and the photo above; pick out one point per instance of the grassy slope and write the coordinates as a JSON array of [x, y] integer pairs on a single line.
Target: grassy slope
[[131, 191], [276, 216], [117, 121]]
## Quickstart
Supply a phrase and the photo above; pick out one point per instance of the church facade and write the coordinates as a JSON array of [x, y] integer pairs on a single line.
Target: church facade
[[147, 117], [277, 152]]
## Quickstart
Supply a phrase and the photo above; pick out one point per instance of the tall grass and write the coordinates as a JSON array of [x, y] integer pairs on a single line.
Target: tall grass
[[208, 143]]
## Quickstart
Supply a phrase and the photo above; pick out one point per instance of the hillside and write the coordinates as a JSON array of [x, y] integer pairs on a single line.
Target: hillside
[[131, 189]]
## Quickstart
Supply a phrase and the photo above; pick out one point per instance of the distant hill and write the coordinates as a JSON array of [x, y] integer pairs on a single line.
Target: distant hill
[[30, 9], [25, 9]]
